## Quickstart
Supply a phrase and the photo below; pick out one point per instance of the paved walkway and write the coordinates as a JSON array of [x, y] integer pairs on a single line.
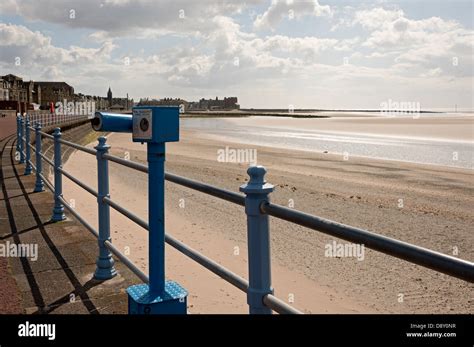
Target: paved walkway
[[61, 279]]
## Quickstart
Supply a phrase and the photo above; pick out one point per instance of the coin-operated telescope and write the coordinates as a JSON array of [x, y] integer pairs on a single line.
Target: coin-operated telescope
[[154, 125]]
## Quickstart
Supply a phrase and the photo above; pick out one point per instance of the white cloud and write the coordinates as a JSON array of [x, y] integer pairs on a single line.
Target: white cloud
[[376, 17], [403, 31], [33, 50], [299, 45], [429, 44], [280, 9], [125, 17]]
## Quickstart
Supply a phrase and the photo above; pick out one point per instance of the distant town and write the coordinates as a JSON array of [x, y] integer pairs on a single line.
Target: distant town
[[17, 95]]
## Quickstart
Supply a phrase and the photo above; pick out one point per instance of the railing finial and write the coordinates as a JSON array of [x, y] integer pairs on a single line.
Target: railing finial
[[102, 141], [257, 182]]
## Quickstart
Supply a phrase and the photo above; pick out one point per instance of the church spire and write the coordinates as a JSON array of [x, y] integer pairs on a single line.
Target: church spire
[[109, 97]]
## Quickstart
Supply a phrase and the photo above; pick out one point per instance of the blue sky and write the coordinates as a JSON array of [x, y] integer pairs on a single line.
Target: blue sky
[[302, 54]]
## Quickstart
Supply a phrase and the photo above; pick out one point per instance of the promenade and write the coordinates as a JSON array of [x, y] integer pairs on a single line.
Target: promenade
[[59, 278]]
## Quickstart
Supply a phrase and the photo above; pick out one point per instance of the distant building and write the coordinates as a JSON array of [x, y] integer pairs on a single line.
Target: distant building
[[101, 103], [231, 103], [25, 94], [4, 90], [108, 102], [53, 92], [117, 107], [118, 103], [17, 89], [19, 95], [228, 103], [21, 91], [165, 102]]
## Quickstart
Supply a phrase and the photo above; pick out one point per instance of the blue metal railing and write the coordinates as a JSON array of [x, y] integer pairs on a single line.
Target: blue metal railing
[[258, 208], [48, 119]]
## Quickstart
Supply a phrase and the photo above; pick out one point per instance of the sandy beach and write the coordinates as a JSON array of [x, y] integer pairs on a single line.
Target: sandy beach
[[427, 205]]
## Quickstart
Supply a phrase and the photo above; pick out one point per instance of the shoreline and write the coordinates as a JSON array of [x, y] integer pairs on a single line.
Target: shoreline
[[432, 141], [442, 128], [316, 113], [339, 154]]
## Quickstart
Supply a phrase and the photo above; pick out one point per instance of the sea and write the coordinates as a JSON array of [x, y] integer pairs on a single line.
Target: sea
[[442, 152]]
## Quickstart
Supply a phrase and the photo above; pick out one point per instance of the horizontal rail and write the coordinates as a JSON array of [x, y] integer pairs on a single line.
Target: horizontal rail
[[79, 218], [125, 212], [47, 183], [79, 183], [127, 262], [224, 194], [46, 135], [78, 147], [128, 163], [422, 256], [140, 274], [209, 264], [46, 159], [277, 305]]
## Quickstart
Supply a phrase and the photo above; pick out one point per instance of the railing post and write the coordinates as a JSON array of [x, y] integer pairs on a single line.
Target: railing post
[[39, 185], [58, 211], [18, 134], [105, 263], [22, 126], [27, 147], [258, 239], [156, 217]]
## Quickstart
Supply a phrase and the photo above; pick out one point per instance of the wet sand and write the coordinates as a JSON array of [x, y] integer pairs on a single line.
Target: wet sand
[[436, 213], [459, 127]]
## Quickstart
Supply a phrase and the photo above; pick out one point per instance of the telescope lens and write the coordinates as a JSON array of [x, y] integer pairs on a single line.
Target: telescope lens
[[96, 123], [144, 124]]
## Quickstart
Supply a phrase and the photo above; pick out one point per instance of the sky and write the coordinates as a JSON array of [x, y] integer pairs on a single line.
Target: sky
[[270, 54]]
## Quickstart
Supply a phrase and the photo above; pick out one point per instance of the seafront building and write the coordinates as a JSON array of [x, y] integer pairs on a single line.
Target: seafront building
[[228, 103], [17, 95]]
